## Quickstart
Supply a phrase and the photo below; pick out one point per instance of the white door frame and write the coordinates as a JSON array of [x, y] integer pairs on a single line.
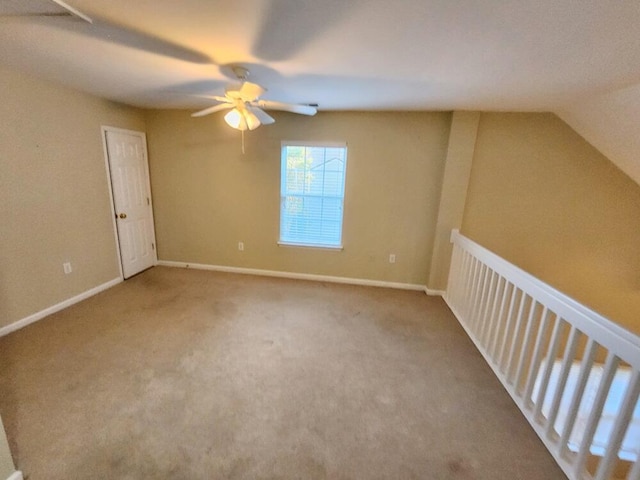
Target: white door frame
[[104, 129]]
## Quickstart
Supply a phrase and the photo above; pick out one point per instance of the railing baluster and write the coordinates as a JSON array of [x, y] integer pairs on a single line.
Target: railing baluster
[[583, 377], [524, 351], [607, 464], [499, 323], [477, 306], [551, 355], [493, 321], [460, 292], [475, 279], [489, 299], [507, 327], [515, 335], [469, 282], [567, 361], [610, 367], [537, 355]]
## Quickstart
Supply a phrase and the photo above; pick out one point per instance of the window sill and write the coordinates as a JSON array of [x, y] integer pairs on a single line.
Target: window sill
[[308, 245]]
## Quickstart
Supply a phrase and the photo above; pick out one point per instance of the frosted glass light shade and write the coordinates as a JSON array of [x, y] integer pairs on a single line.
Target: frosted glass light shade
[[235, 119]]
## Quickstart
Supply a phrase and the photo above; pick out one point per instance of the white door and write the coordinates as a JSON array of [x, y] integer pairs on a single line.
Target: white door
[[129, 171]]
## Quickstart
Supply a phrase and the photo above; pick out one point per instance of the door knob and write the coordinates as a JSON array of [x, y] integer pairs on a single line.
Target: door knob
[[123, 215]]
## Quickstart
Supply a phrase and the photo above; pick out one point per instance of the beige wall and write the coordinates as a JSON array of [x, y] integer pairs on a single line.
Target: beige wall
[[54, 201], [208, 196], [6, 462], [539, 195], [543, 198]]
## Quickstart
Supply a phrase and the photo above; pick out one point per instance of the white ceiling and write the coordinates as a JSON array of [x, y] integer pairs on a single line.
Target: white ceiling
[[509, 55]]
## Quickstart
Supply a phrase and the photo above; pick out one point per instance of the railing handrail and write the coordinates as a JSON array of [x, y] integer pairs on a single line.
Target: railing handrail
[[621, 341]]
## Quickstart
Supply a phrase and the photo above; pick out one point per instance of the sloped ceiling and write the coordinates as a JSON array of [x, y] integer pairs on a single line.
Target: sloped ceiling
[[579, 59], [611, 123]]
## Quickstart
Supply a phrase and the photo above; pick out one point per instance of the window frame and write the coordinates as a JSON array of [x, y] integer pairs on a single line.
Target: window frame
[[312, 144]]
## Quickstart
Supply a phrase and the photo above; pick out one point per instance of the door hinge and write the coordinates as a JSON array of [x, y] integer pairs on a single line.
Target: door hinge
[[148, 203], [153, 247]]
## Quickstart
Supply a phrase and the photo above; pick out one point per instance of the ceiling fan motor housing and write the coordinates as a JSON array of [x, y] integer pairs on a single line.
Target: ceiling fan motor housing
[[240, 72]]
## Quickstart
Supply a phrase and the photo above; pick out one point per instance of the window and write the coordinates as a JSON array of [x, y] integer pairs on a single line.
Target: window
[[312, 194]]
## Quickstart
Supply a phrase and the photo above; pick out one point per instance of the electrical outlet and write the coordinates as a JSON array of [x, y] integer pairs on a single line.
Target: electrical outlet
[[241, 246], [392, 258], [66, 266]]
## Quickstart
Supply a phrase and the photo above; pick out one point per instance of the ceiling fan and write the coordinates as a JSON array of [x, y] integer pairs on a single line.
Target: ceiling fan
[[247, 110]]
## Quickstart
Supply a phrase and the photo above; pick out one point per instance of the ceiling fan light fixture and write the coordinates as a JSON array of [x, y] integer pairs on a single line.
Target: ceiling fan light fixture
[[253, 121], [235, 119]]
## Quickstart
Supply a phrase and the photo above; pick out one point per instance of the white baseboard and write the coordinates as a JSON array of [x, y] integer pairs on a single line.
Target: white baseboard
[[434, 293], [56, 308], [15, 476], [299, 276]]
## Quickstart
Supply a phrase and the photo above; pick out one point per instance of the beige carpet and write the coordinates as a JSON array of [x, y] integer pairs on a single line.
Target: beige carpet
[[186, 374]]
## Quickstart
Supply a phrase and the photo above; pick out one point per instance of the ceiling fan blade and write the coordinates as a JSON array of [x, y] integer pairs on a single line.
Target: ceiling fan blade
[[73, 11], [101, 29], [200, 95], [215, 108], [17, 8], [264, 117], [287, 107], [251, 91]]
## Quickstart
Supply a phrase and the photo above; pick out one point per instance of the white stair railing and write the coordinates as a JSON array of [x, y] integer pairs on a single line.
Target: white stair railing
[[574, 374]]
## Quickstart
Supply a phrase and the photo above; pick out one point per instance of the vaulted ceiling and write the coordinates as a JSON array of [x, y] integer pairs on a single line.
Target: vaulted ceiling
[[578, 59]]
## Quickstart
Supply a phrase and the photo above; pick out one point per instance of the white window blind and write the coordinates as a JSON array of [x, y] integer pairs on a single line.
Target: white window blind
[[312, 194]]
